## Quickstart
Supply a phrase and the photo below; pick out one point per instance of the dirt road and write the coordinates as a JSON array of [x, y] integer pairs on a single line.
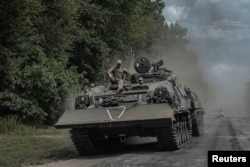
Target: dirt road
[[220, 134]]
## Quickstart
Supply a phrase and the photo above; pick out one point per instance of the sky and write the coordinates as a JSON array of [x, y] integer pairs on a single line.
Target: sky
[[219, 31]]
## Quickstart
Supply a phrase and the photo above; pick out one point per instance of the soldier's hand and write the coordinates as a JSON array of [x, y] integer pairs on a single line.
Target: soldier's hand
[[125, 80], [110, 76]]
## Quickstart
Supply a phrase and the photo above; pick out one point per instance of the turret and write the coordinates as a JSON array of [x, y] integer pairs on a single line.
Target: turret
[[150, 71]]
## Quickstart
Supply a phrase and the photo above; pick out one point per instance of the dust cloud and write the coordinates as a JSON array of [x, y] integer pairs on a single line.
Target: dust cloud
[[217, 85], [184, 64], [219, 34]]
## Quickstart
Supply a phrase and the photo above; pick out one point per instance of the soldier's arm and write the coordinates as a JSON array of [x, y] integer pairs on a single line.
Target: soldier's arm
[[110, 71]]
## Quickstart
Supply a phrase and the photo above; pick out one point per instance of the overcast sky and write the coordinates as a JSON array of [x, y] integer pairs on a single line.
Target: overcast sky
[[219, 31]]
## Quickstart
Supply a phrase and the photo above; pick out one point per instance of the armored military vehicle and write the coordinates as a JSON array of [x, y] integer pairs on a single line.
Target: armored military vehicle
[[161, 107]]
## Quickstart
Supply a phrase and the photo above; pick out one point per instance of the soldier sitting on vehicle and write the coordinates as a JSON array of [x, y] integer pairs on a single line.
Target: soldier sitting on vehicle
[[117, 75], [140, 81]]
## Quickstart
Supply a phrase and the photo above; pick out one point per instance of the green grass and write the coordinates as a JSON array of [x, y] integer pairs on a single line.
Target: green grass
[[24, 145]]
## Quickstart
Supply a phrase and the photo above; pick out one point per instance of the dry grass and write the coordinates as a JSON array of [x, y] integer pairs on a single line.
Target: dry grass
[[23, 145]]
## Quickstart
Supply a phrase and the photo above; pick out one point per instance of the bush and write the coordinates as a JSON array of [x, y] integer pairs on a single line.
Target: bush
[[36, 92]]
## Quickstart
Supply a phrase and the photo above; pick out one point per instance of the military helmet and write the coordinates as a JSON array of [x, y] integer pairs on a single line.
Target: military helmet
[[140, 79], [119, 62]]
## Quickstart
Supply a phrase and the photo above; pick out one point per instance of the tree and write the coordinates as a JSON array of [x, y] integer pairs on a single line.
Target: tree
[[33, 60], [113, 28]]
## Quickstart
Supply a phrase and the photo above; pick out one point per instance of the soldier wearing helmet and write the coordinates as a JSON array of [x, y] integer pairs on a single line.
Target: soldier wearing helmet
[[117, 74], [140, 81]]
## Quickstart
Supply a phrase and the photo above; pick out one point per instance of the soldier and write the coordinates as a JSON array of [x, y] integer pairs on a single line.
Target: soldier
[[140, 81], [116, 75]]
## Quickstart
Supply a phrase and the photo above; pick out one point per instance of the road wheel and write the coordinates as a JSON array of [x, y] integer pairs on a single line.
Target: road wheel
[[186, 131], [198, 124], [82, 142], [184, 136], [169, 138], [178, 133], [189, 127]]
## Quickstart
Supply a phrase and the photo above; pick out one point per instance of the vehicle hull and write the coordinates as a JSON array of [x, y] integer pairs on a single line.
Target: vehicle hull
[[144, 115]]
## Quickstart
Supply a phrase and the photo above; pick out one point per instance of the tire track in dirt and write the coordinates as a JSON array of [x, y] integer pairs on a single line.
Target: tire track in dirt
[[234, 140]]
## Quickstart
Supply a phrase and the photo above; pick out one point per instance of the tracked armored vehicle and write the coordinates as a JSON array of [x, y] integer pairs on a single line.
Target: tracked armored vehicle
[[160, 108]]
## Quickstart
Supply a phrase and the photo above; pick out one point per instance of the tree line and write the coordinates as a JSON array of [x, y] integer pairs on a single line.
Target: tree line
[[48, 47]]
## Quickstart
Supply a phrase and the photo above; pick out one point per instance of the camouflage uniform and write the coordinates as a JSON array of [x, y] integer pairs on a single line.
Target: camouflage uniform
[[117, 73]]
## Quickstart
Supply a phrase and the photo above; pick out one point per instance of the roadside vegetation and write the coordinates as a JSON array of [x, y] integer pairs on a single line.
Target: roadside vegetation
[[24, 145]]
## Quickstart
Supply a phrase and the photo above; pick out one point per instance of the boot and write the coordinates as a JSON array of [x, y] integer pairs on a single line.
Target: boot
[[119, 90]]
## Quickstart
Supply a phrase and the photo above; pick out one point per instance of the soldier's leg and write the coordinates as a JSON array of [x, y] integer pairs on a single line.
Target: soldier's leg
[[109, 81], [120, 85], [107, 84]]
